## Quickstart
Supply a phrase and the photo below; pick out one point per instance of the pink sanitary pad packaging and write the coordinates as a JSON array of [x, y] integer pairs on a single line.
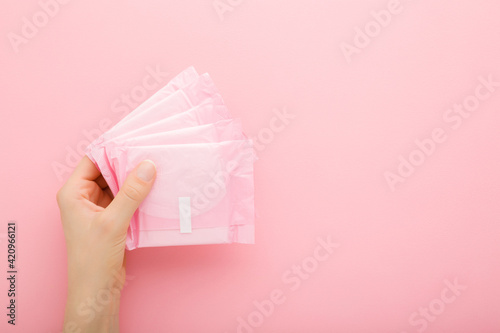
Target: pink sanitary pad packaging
[[203, 193]]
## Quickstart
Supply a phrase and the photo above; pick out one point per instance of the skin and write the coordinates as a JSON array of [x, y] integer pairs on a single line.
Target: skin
[[95, 228]]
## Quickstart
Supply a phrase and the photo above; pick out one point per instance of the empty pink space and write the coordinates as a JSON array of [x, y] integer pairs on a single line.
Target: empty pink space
[[376, 124]]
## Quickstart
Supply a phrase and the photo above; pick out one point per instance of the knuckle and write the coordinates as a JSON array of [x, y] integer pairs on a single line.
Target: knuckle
[[60, 195], [133, 191]]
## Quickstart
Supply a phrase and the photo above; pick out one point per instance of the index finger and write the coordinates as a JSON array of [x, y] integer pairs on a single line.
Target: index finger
[[85, 170]]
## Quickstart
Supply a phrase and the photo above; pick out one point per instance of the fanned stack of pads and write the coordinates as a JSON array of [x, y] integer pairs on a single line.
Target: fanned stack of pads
[[203, 193]]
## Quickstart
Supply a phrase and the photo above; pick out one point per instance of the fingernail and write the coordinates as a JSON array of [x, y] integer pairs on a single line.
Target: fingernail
[[146, 170]]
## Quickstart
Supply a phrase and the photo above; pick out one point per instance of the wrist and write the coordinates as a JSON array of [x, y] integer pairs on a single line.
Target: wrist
[[93, 300], [91, 309]]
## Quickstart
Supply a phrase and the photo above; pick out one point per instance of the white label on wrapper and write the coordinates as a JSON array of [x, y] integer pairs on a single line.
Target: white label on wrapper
[[185, 214]]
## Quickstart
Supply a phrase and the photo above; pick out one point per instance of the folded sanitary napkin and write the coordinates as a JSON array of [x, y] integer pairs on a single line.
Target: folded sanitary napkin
[[203, 193]]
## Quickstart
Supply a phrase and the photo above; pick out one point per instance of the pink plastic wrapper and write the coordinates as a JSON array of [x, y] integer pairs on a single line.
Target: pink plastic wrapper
[[203, 193], [205, 114]]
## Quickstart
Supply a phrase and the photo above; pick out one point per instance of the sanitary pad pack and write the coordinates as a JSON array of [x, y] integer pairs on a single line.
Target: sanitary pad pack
[[203, 193]]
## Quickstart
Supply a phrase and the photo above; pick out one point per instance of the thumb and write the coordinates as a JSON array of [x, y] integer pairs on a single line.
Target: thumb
[[133, 191]]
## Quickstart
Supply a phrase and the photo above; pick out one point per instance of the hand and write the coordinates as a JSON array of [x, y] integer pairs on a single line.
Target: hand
[[95, 227]]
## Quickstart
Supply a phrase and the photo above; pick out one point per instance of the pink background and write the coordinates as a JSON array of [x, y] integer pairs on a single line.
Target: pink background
[[323, 175]]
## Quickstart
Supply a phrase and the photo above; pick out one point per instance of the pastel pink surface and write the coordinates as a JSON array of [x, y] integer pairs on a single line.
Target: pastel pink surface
[[321, 174]]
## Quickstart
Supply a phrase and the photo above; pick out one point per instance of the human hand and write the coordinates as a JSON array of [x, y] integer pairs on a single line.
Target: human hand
[[95, 227]]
